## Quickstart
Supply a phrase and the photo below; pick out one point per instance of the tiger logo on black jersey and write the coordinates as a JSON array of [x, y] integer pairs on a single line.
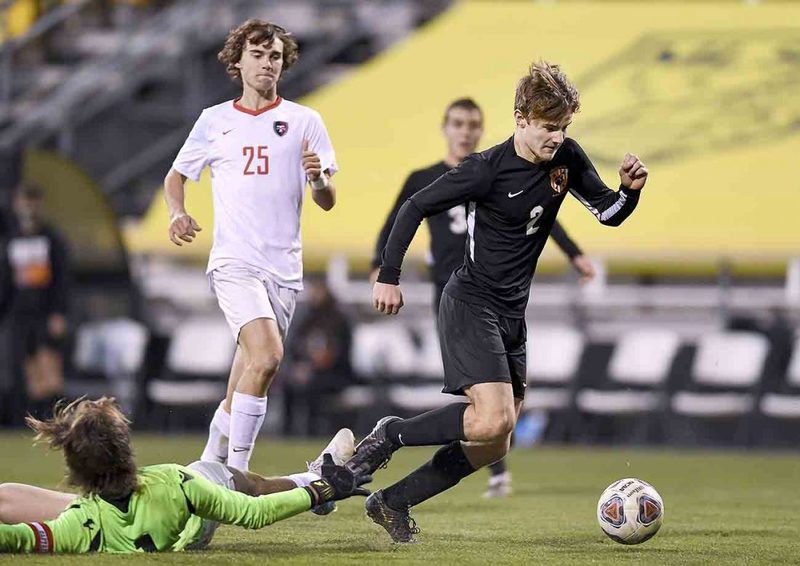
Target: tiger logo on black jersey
[[558, 179]]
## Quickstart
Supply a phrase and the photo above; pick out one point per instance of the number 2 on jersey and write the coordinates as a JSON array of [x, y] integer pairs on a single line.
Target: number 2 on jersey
[[259, 155], [536, 214]]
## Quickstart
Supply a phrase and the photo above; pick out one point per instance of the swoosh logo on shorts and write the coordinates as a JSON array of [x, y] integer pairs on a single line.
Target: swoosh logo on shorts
[[240, 449], [226, 132], [512, 195]]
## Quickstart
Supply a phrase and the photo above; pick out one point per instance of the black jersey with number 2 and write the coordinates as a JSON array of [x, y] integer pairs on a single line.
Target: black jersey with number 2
[[448, 229], [511, 208]]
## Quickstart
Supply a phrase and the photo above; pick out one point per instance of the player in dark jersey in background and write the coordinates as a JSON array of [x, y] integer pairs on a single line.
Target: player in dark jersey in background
[[514, 191], [40, 270], [462, 127]]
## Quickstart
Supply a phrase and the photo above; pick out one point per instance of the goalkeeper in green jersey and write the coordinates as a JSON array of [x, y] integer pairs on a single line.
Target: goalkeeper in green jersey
[[156, 508]]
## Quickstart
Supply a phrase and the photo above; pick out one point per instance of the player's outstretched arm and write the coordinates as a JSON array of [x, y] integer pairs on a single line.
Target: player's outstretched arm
[[470, 180], [216, 503], [408, 190], [181, 225], [64, 535]]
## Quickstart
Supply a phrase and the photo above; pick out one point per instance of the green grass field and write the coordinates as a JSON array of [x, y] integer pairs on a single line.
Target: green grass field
[[721, 508]]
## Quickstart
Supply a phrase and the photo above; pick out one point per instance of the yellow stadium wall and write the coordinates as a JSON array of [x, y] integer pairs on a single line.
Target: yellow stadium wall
[[706, 94]]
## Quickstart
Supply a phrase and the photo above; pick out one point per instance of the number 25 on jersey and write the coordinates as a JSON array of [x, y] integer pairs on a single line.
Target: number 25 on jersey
[[257, 160]]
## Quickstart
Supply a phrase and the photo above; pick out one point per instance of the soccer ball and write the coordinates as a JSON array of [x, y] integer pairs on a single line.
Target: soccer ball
[[630, 511]]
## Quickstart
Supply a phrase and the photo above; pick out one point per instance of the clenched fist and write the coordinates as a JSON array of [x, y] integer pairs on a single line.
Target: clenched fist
[[632, 172], [387, 298]]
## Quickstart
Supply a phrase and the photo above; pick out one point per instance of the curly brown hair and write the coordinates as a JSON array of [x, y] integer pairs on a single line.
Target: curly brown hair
[[546, 93], [95, 439], [256, 32]]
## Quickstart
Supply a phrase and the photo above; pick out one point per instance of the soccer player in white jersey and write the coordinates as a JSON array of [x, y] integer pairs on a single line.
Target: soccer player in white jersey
[[262, 151]]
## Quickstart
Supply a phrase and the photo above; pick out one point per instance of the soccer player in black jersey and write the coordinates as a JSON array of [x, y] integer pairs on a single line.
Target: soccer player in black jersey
[[513, 191], [462, 127]]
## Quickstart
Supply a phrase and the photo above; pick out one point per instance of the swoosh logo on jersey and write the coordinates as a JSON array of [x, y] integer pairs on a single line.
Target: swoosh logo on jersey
[[512, 195], [226, 132]]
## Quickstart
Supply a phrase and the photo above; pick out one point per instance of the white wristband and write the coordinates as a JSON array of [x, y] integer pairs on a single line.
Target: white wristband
[[320, 182]]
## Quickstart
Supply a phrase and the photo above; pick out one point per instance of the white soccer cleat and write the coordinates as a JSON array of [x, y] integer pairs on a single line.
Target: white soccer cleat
[[341, 448]]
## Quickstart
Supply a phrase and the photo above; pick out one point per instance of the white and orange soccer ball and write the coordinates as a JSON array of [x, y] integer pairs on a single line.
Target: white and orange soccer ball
[[630, 511]]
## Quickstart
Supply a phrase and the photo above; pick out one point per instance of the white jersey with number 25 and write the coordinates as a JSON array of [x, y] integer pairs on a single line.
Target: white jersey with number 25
[[258, 181]]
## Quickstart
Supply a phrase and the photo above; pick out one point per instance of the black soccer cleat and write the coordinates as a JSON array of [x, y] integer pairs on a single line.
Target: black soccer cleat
[[399, 524], [374, 451]]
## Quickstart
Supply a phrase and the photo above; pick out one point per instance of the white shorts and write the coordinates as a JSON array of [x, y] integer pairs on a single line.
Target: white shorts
[[218, 474], [245, 293]]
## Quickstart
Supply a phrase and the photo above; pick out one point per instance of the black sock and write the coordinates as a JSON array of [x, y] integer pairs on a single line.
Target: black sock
[[447, 467], [440, 426], [498, 468]]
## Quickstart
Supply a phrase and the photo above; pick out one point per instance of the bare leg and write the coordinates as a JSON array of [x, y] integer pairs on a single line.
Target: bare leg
[[262, 349], [482, 454], [260, 341], [20, 503]]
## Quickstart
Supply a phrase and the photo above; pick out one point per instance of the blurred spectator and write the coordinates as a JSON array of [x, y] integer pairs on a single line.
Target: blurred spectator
[[39, 267], [320, 367]]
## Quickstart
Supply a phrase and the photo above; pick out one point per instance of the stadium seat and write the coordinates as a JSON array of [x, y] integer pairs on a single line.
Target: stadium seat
[[197, 367], [107, 358], [429, 354], [786, 405], [382, 350], [409, 400], [781, 404], [634, 386], [554, 353], [727, 368]]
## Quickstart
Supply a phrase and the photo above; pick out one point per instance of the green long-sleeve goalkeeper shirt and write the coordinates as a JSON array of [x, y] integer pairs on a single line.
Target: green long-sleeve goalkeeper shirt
[[152, 518]]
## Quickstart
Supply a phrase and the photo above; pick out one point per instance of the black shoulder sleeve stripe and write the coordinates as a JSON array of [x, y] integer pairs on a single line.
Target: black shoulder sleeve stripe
[[189, 504]]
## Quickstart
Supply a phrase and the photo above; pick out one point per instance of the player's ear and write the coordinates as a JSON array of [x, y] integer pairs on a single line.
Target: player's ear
[[519, 118]]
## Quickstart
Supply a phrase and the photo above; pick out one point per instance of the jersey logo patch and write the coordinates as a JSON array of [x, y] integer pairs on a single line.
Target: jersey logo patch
[[558, 179], [280, 127], [512, 195]]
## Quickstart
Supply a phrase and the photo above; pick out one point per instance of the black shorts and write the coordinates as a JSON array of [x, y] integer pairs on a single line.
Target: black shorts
[[480, 346]]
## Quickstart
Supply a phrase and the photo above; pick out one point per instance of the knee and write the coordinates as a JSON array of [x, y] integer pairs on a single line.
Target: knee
[[266, 365], [495, 426]]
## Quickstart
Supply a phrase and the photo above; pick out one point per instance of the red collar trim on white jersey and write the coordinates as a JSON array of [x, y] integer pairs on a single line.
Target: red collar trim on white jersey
[[258, 112]]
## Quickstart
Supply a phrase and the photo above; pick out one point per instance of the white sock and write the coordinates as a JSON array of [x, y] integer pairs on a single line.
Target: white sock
[[247, 416], [218, 431], [303, 479]]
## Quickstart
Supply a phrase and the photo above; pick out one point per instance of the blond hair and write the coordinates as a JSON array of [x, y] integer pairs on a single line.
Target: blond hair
[[546, 93]]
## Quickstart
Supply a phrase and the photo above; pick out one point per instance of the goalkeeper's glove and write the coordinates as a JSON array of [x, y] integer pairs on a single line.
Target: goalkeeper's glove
[[337, 482]]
